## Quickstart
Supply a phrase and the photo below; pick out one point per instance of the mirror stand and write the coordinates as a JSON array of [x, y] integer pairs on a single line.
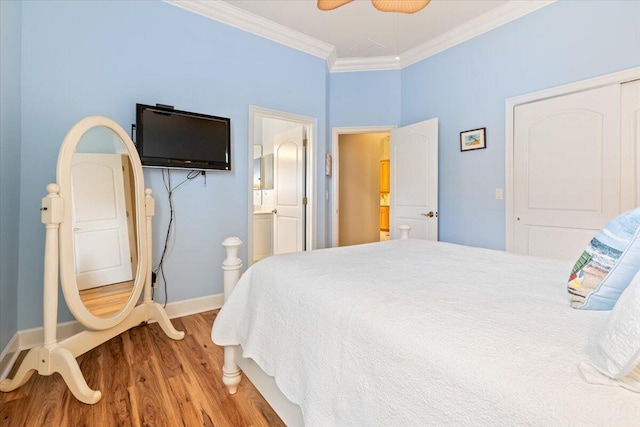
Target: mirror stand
[[60, 356]]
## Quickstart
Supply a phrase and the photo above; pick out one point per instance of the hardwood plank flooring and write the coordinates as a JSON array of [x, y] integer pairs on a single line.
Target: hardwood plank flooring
[[146, 379], [105, 301]]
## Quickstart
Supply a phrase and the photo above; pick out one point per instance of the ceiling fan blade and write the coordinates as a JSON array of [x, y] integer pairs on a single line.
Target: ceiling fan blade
[[402, 6], [331, 4]]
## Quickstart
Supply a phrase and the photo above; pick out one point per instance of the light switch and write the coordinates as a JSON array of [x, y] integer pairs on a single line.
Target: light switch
[[499, 194]]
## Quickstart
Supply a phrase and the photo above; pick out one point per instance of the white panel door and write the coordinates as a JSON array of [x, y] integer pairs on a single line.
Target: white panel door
[[288, 175], [630, 134], [414, 179], [566, 171], [101, 236]]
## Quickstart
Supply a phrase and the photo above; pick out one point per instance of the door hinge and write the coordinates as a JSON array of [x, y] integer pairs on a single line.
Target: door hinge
[[304, 142], [305, 200]]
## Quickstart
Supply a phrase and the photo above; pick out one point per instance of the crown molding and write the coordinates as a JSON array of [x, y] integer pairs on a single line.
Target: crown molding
[[372, 63], [331, 60], [234, 16], [486, 22], [224, 12]]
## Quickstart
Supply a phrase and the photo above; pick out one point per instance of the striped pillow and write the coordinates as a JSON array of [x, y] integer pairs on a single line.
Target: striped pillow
[[607, 265]]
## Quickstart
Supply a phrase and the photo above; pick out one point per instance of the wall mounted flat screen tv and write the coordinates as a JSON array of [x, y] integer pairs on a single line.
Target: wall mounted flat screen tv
[[168, 138]]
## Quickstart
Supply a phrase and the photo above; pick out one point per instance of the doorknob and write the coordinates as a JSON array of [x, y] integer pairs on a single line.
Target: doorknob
[[430, 214], [275, 211]]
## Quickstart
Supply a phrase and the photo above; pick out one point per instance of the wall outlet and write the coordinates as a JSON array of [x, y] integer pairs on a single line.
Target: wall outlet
[[499, 194]]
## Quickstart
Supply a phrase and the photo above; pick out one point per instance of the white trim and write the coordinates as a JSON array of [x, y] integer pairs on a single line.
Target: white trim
[[9, 356], [510, 105], [332, 59], [312, 182], [195, 305], [29, 338], [33, 337], [374, 63], [234, 16], [226, 13], [335, 178]]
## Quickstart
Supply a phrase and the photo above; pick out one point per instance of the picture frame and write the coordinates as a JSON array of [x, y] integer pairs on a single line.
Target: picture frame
[[474, 139]]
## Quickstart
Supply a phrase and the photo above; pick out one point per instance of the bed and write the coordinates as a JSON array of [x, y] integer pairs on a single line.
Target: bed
[[413, 332]]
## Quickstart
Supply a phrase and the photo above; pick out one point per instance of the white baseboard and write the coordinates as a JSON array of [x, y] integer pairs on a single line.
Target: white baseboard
[[195, 305], [9, 355], [29, 338]]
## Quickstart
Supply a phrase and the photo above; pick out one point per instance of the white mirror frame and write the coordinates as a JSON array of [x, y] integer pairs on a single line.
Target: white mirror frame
[[67, 270], [60, 356]]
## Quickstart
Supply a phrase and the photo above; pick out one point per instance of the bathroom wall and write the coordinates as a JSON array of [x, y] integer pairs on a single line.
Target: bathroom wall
[[359, 188]]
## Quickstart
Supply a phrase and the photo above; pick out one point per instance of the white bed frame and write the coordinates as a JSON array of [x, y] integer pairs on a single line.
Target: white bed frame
[[235, 364]]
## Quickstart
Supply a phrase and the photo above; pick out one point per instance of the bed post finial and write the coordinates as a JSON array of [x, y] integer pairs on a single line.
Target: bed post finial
[[404, 231], [231, 265]]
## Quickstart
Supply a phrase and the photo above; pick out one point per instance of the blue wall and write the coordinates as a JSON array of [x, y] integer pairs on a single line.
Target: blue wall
[[76, 59], [10, 32], [85, 58], [370, 98], [364, 98], [467, 85]]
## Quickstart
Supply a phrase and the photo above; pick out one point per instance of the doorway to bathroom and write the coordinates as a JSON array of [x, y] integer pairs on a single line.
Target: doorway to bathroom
[[281, 183], [413, 181], [361, 185]]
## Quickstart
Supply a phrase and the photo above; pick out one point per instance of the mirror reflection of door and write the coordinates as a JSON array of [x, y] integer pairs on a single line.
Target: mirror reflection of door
[[101, 236], [105, 253]]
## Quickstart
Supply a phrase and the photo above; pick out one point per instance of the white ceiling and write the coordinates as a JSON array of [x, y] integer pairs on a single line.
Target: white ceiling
[[357, 36], [358, 29]]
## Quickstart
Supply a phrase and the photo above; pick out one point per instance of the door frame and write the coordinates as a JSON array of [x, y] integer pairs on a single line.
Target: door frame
[[310, 125], [335, 178], [510, 105]]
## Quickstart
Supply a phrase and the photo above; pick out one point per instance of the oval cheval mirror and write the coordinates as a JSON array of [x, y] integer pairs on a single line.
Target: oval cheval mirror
[[104, 239], [98, 232]]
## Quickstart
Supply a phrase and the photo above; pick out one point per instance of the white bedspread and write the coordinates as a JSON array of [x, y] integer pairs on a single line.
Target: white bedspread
[[418, 333]]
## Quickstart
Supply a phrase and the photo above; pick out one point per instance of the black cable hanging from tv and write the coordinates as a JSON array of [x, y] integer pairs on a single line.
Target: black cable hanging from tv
[[166, 178]]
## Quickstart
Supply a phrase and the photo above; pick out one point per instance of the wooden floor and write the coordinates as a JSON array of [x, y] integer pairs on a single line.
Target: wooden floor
[[146, 379], [105, 301]]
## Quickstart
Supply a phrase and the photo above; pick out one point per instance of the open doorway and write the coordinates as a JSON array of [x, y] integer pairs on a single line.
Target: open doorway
[[413, 192], [361, 190], [281, 183]]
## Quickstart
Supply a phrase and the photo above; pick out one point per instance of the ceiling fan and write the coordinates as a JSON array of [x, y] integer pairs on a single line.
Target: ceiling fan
[[402, 6]]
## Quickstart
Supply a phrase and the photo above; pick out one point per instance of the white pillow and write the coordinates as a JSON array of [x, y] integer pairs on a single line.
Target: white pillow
[[619, 341], [619, 344]]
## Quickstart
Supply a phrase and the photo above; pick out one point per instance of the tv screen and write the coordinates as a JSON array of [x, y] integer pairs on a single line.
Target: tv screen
[[169, 138]]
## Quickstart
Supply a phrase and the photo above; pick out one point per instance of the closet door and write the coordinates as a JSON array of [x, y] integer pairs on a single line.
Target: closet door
[[567, 171], [630, 133]]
